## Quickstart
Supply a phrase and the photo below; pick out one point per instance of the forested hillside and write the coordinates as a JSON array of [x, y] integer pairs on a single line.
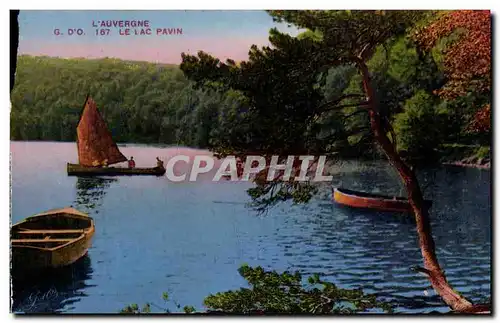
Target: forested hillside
[[141, 102]]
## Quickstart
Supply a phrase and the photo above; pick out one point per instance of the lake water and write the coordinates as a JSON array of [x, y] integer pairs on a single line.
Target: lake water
[[189, 239]]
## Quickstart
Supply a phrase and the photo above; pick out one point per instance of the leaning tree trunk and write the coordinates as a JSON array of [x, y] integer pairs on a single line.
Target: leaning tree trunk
[[431, 265], [14, 44]]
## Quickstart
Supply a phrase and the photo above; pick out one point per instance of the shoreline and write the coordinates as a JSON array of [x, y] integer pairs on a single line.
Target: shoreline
[[460, 164]]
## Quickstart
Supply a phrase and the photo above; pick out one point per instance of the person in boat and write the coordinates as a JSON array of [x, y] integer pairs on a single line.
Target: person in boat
[[159, 163], [105, 163], [239, 167], [131, 163]]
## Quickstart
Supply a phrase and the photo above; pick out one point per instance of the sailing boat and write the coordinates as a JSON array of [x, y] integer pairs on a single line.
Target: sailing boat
[[96, 147]]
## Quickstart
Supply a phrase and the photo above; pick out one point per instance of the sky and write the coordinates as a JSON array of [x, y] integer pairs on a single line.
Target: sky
[[224, 34]]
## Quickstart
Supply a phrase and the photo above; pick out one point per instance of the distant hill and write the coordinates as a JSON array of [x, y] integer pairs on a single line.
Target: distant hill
[[142, 102]]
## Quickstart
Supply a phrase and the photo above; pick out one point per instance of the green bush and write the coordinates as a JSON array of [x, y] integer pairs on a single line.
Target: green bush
[[274, 293], [418, 127]]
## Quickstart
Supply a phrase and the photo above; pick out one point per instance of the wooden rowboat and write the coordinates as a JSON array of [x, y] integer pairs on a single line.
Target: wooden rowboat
[[52, 239], [79, 170], [373, 201]]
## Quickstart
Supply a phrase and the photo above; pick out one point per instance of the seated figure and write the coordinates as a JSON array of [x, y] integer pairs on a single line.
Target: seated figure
[[131, 163], [159, 163]]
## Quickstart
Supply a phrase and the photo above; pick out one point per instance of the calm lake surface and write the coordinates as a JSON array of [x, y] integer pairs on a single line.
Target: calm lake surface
[[188, 239]]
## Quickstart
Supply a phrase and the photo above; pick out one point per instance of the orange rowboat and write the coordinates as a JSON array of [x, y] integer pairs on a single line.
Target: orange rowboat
[[373, 201]]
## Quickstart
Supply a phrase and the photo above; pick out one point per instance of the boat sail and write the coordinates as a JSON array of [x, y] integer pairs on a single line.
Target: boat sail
[[94, 141], [96, 148]]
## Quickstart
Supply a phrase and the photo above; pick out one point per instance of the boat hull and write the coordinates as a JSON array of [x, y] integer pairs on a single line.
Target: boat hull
[[54, 239], [79, 170], [364, 200]]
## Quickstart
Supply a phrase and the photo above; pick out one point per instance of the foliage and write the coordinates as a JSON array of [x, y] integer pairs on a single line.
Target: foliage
[[349, 33], [483, 152], [482, 120], [265, 121], [146, 309], [418, 128], [467, 61], [399, 72], [467, 58], [266, 194], [134, 309], [475, 154], [283, 293]]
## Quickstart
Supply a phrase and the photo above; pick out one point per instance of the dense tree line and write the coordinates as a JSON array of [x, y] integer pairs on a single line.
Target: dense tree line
[[141, 102]]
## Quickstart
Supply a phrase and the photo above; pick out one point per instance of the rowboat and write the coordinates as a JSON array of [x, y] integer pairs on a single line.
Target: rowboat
[[52, 239], [365, 200], [97, 149]]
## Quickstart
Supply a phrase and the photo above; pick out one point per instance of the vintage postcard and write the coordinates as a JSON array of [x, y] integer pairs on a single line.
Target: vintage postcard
[[256, 162]]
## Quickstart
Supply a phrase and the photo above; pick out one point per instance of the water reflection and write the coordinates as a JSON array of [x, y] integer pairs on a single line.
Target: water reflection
[[371, 178], [90, 192], [54, 291], [380, 177]]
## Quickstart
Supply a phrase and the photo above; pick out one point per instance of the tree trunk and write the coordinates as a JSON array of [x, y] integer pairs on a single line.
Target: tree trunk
[[431, 265], [14, 44]]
